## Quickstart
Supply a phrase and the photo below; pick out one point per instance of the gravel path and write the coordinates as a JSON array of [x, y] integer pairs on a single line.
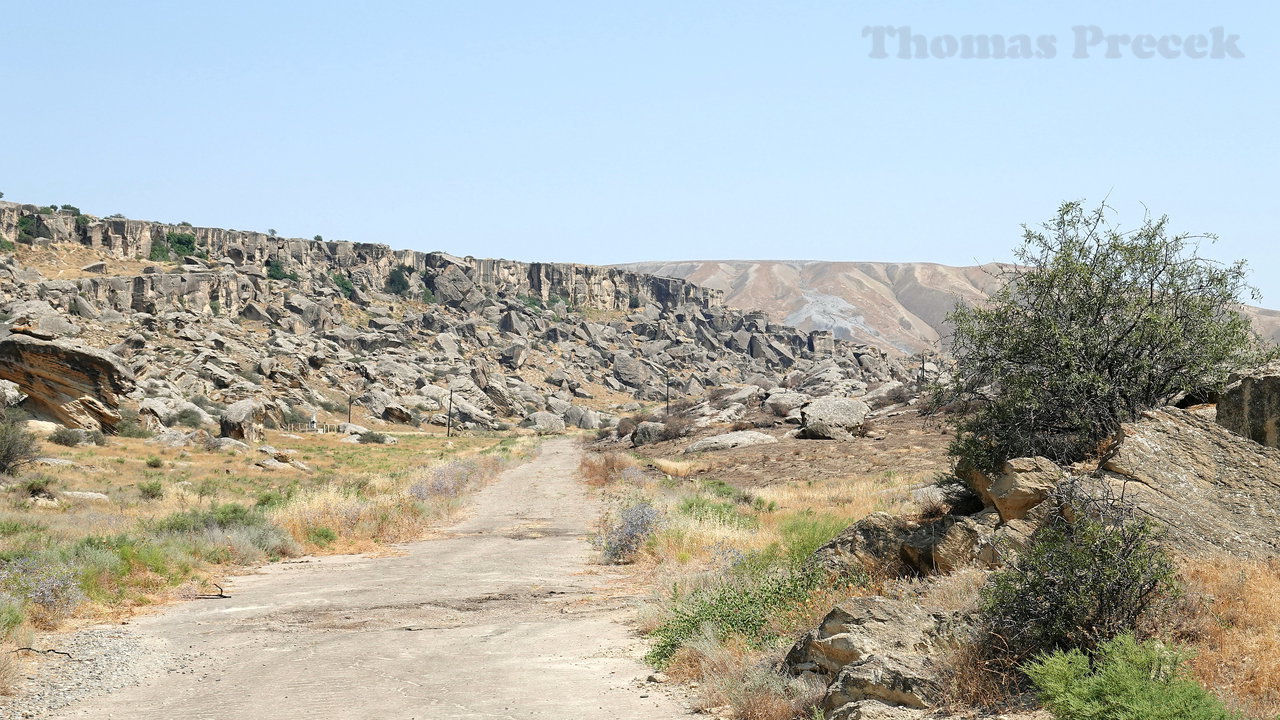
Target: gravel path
[[501, 618]]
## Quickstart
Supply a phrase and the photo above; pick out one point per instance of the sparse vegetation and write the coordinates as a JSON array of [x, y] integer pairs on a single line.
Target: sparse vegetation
[[151, 489], [18, 446], [65, 436]]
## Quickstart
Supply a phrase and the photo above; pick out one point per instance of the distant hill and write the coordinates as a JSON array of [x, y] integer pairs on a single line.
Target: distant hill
[[899, 306]]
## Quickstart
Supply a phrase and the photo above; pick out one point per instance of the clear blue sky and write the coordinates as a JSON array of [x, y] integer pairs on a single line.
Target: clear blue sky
[[607, 132]]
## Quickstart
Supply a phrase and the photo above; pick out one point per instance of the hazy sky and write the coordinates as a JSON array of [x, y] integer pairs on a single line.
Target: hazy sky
[[610, 131]]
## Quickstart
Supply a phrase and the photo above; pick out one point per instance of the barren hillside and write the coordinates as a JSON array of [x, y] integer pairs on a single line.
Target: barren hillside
[[893, 305]]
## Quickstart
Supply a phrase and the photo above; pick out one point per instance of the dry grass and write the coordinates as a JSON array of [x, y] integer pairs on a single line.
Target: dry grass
[[678, 468], [731, 674], [601, 469], [1237, 638]]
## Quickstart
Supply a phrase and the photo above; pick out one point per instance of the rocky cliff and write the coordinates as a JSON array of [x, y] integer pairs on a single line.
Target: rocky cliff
[[302, 325]]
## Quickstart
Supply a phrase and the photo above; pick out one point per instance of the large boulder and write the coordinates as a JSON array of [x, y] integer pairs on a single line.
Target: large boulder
[[647, 433], [243, 421], [873, 544], [860, 628], [1250, 405], [907, 680], [1022, 484], [833, 418], [728, 441], [544, 423], [1212, 490], [76, 385]]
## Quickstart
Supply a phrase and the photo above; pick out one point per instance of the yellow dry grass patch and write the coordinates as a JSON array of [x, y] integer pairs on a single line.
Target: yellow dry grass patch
[[1237, 642]]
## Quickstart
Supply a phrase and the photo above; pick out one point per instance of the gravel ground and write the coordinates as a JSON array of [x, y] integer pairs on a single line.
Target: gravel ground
[[103, 659]]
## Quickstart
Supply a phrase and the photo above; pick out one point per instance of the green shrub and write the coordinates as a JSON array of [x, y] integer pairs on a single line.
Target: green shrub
[[743, 604], [27, 230], [429, 297], [372, 438], [219, 517], [6, 245], [181, 243], [18, 446], [1094, 571], [398, 281], [154, 462], [276, 271], [97, 437], [344, 285], [1126, 680], [1093, 326], [294, 416], [130, 428], [725, 513], [37, 486], [321, 536], [66, 437], [151, 489], [188, 417]]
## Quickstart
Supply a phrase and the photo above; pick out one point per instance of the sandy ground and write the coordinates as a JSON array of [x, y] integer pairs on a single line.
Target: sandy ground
[[504, 616]]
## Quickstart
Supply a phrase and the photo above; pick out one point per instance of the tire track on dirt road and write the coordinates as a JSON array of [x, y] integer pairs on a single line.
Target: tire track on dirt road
[[498, 619]]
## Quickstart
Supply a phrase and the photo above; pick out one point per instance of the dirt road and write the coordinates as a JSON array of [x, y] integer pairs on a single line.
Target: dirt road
[[498, 619]]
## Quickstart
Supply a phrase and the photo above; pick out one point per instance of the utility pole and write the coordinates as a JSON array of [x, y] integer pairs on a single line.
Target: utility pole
[[448, 432], [666, 374]]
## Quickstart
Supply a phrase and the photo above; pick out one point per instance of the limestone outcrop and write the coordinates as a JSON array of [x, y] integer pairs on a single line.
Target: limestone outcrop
[[76, 385], [1250, 405]]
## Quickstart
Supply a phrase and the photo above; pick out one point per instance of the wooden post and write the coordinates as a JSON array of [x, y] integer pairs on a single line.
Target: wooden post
[[449, 421]]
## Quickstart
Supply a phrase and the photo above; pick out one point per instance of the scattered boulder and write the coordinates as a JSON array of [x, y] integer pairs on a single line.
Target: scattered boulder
[[243, 421], [728, 441], [544, 423], [833, 418], [647, 433], [873, 544]]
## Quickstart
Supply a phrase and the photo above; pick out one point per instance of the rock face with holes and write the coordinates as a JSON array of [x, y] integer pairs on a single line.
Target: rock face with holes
[[1250, 405], [76, 385]]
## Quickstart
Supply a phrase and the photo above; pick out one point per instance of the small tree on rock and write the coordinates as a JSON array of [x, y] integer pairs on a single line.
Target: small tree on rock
[[1094, 326]]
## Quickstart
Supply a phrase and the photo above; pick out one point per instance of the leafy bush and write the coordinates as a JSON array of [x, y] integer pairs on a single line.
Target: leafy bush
[[1094, 571], [131, 428], [18, 446], [181, 243], [155, 462], [294, 416], [398, 281], [151, 489], [188, 417], [1126, 680], [276, 271], [321, 536], [344, 285], [66, 437], [1094, 326], [219, 517], [372, 438], [97, 437], [621, 537]]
